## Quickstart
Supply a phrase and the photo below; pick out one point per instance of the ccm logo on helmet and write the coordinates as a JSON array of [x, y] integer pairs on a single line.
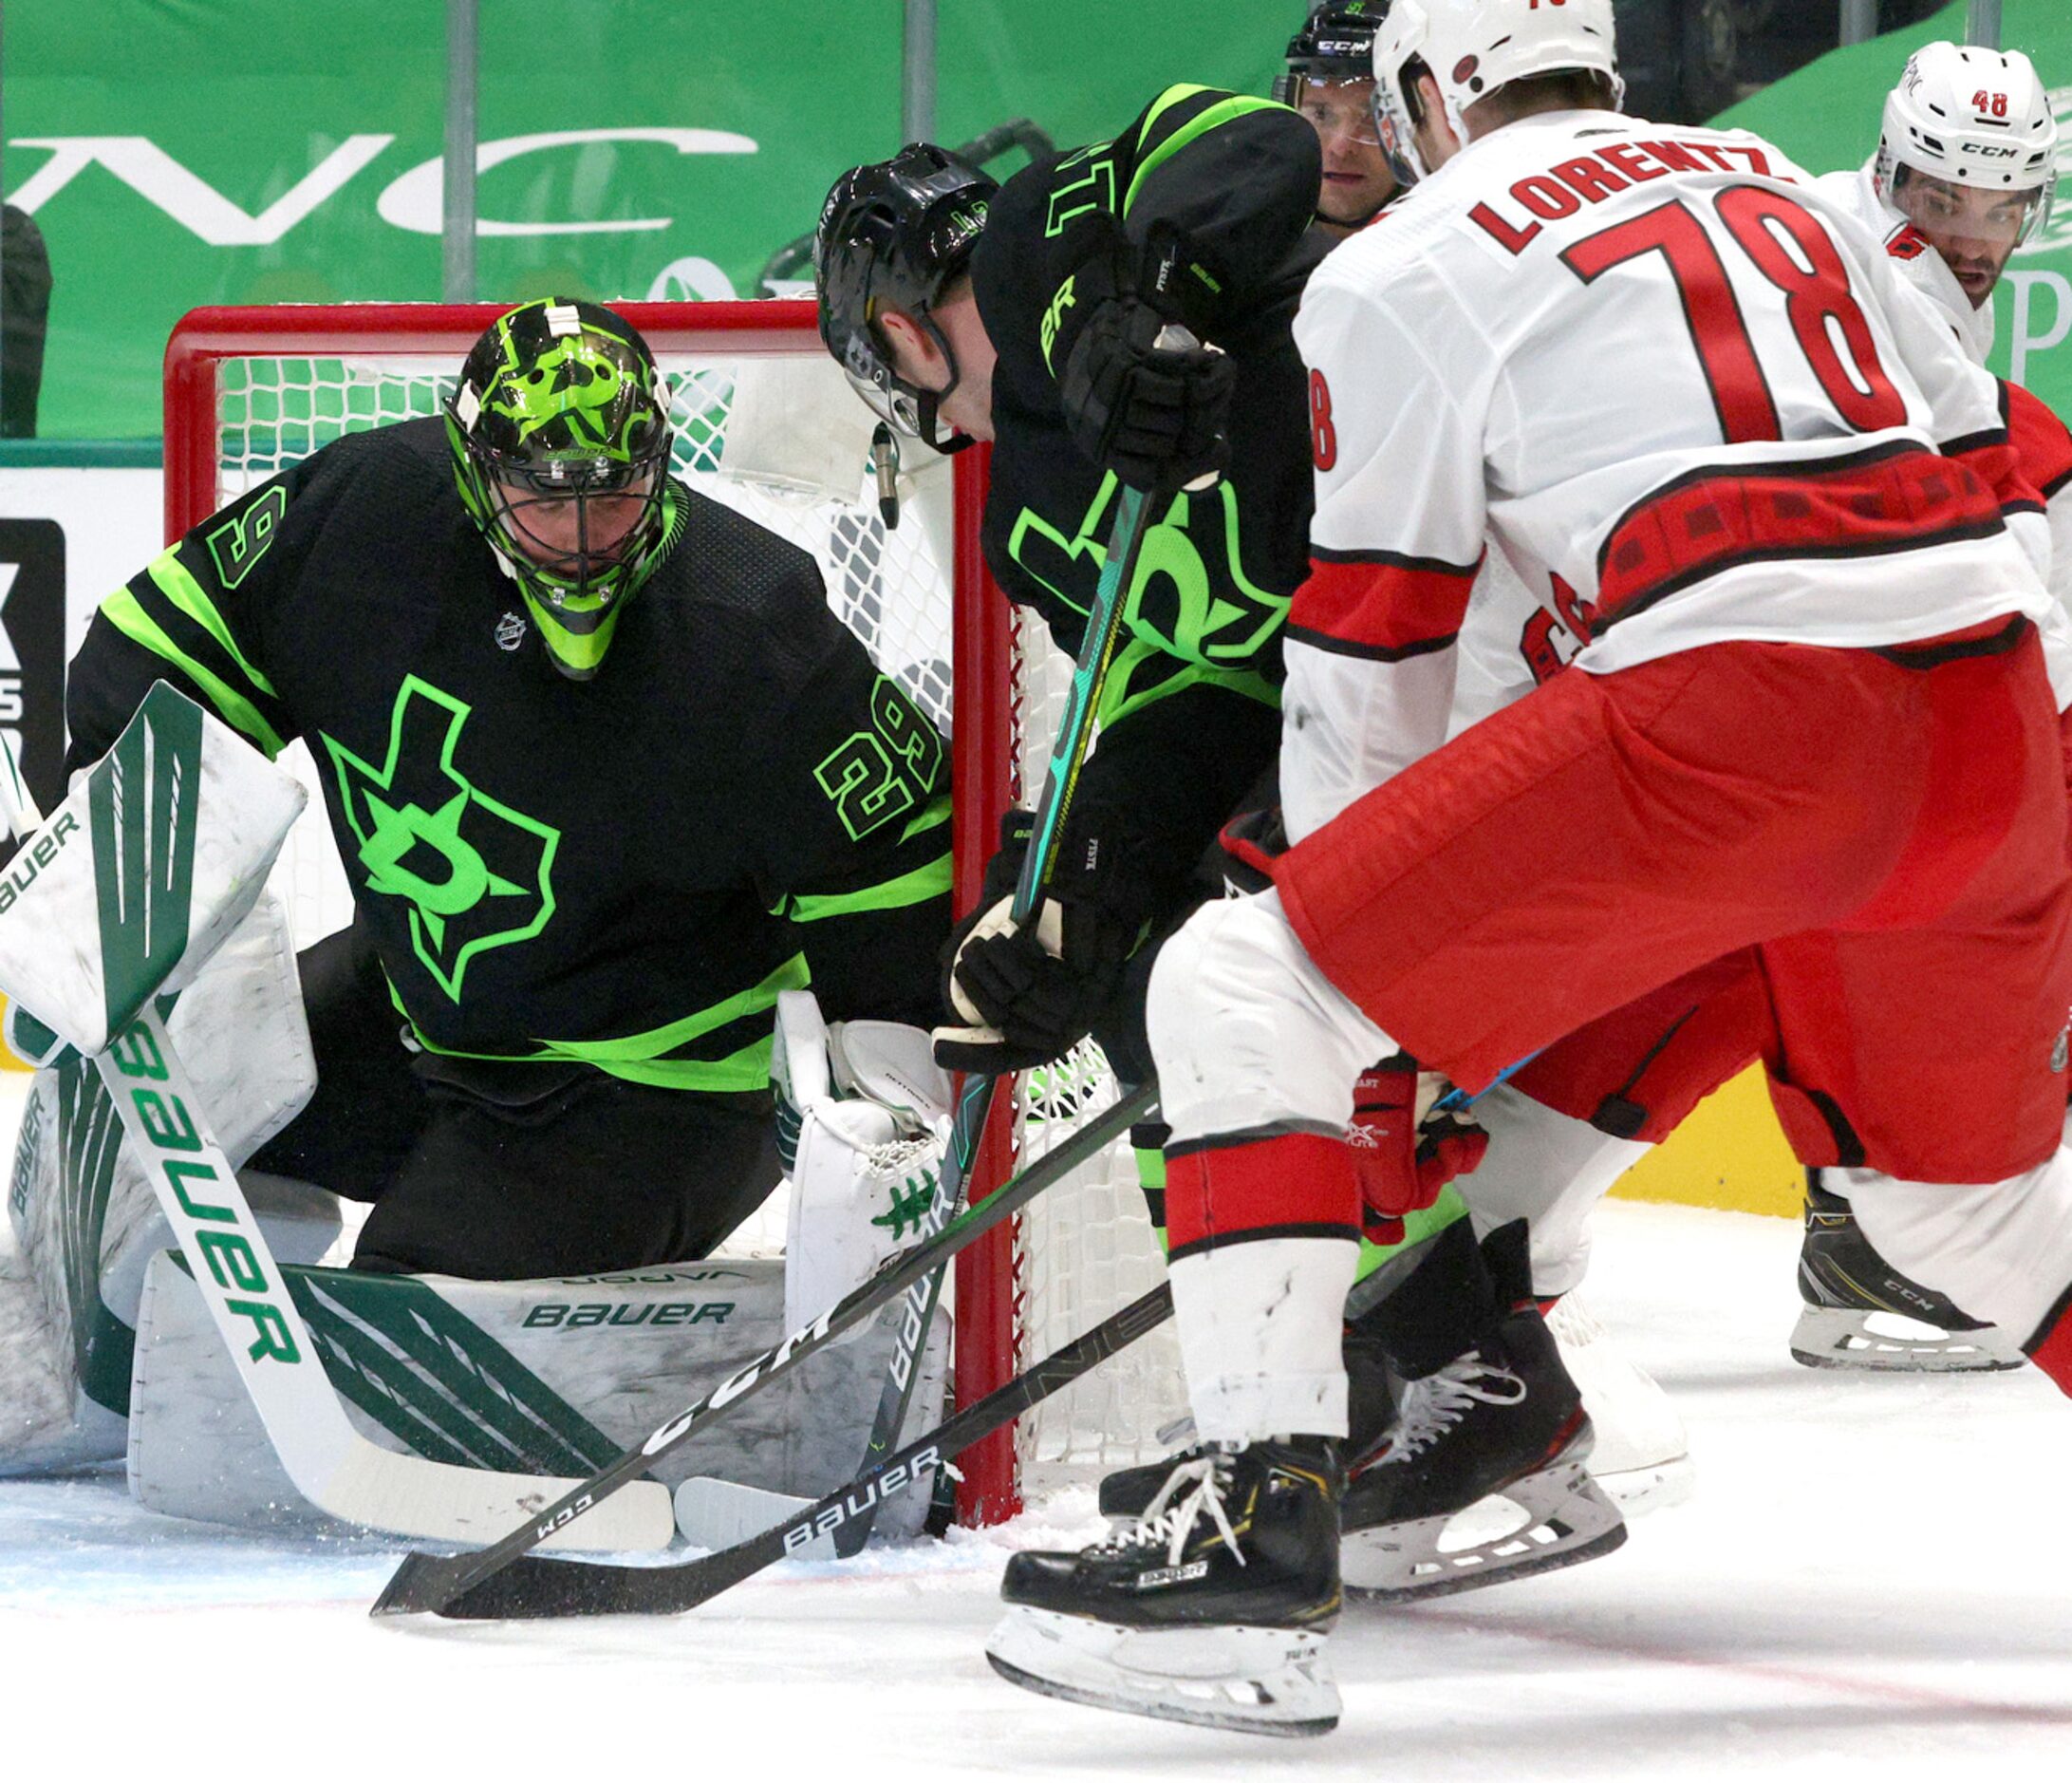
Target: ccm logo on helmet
[[1989, 151]]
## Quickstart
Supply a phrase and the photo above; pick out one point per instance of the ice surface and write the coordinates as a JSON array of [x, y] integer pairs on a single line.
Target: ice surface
[[1871, 1581]]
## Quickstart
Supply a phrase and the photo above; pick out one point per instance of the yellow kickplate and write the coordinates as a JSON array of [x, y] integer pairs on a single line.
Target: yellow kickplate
[[1729, 1153]]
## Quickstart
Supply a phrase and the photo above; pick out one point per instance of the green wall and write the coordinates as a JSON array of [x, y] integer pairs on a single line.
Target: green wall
[[217, 103]]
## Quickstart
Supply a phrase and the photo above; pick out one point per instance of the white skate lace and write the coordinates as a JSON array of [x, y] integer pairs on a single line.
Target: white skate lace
[[1432, 1406], [1167, 1522]]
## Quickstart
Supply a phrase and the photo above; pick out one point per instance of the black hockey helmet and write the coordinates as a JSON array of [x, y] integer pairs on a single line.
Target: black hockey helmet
[[892, 235], [1336, 42], [560, 412]]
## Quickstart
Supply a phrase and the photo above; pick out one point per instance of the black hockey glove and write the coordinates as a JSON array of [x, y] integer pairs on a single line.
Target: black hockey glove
[[1024, 997], [1156, 415]]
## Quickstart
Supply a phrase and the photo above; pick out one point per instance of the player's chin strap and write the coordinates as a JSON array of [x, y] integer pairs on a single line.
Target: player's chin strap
[[154, 800]]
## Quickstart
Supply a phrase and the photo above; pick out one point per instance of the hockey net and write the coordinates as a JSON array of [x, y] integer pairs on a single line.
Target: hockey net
[[765, 423]]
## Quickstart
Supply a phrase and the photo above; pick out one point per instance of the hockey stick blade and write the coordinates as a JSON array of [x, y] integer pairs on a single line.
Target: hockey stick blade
[[537, 1588], [430, 1581]]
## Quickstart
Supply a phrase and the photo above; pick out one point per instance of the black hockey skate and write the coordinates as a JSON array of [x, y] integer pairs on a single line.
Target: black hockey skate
[[1370, 1410], [1501, 1421], [1860, 1312], [1211, 1609]]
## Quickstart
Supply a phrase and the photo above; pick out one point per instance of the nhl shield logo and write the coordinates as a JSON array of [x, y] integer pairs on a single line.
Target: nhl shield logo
[[509, 631], [2062, 1053]]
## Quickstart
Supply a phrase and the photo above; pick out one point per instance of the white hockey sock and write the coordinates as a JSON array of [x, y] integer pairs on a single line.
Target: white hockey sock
[[2002, 1251], [1261, 1327]]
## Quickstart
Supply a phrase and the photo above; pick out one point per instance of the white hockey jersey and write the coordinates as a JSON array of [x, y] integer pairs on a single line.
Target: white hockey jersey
[[1654, 368]]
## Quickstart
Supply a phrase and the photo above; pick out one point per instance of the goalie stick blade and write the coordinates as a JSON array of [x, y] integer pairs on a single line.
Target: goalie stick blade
[[533, 1589], [430, 1582]]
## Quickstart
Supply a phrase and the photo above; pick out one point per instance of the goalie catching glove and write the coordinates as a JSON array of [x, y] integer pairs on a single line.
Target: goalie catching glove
[[1407, 1148], [863, 1116], [1027, 995]]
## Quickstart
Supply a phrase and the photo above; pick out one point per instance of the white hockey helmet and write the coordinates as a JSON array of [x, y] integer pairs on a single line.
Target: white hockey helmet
[[1971, 117], [1471, 48]]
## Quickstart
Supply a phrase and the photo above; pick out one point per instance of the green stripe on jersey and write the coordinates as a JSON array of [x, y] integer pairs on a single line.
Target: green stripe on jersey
[[642, 1058], [126, 614], [932, 815], [1237, 106], [917, 887], [186, 594]]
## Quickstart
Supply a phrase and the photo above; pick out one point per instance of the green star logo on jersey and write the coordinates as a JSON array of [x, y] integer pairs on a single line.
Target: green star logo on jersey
[[476, 874]]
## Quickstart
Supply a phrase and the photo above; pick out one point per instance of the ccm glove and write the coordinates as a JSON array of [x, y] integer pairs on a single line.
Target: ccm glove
[[1407, 1148], [1156, 415], [1024, 996]]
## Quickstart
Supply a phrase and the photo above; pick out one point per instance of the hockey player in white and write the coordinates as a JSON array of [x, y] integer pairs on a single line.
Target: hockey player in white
[[1805, 565], [1551, 1167]]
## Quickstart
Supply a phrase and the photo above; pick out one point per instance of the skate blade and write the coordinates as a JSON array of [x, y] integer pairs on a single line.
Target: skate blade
[[1842, 1337], [1568, 1519], [1241, 1679]]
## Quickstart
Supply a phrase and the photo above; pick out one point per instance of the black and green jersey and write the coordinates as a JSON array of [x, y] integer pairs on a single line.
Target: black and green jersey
[[624, 871], [1191, 718]]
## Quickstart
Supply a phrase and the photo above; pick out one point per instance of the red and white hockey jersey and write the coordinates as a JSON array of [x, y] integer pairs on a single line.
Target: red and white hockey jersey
[[1662, 374]]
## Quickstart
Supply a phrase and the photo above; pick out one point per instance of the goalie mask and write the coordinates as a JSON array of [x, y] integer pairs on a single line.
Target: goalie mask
[[1969, 155], [1470, 49], [560, 436], [892, 235]]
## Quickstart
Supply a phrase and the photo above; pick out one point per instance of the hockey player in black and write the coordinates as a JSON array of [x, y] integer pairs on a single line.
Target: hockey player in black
[[1026, 314], [1330, 80], [606, 777]]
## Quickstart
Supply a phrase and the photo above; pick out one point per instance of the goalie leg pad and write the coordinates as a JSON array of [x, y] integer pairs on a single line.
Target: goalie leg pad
[[84, 1214], [146, 869]]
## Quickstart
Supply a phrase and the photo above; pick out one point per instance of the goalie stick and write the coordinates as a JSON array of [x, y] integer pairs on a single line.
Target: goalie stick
[[974, 1100], [329, 1462], [431, 1582], [534, 1588]]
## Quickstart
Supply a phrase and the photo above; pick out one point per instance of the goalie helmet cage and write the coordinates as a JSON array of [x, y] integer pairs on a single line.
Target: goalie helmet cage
[[765, 422]]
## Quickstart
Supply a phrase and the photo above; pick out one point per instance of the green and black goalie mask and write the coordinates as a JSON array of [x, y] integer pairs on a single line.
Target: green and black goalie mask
[[560, 434]]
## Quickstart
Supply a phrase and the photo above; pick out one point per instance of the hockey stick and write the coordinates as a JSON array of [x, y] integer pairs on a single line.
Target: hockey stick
[[531, 1588], [1104, 629], [329, 1462], [430, 1581]]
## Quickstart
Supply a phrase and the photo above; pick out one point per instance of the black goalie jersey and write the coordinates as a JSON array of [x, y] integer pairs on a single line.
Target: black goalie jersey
[[624, 871]]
